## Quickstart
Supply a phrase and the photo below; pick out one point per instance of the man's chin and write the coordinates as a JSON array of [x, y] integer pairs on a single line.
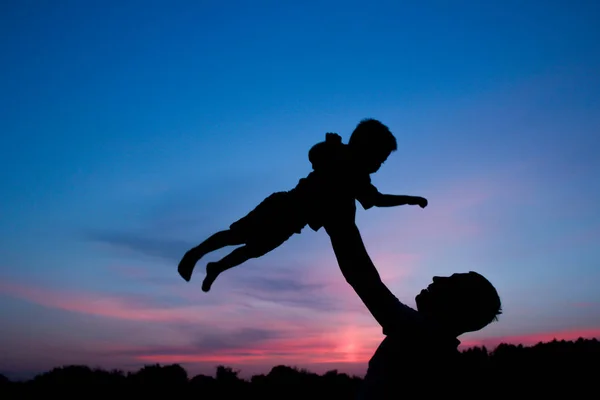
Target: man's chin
[[420, 297]]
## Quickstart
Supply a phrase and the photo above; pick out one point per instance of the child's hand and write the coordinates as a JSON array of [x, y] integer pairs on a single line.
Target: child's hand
[[420, 201]]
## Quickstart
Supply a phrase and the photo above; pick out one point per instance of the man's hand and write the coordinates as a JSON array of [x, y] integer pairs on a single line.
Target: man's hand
[[419, 201]]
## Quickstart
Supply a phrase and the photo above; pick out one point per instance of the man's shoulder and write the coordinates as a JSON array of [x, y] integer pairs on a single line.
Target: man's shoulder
[[408, 319]]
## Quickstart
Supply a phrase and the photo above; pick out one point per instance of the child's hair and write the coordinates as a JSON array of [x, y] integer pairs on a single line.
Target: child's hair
[[371, 133]]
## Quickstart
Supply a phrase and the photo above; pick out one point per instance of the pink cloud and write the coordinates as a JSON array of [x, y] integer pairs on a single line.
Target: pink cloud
[[395, 266], [585, 305], [128, 271], [350, 344], [118, 307], [346, 338], [392, 267], [442, 219], [350, 348], [589, 236], [449, 214]]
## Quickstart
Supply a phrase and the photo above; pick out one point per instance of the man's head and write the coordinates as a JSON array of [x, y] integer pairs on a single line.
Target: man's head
[[462, 303], [372, 142]]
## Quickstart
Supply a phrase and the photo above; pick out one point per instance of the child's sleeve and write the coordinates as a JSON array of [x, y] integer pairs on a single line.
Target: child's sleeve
[[367, 194]]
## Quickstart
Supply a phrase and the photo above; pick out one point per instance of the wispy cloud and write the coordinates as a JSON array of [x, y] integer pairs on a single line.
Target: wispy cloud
[[348, 344], [171, 250], [458, 209], [255, 332], [586, 305], [130, 307]]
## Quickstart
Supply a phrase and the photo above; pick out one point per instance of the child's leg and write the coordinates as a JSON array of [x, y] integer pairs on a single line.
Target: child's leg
[[265, 228], [215, 242], [233, 259]]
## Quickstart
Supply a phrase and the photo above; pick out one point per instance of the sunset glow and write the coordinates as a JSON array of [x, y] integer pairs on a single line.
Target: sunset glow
[[130, 133]]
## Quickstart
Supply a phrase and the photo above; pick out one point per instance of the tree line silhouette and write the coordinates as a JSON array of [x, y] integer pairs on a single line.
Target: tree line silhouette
[[553, 368]]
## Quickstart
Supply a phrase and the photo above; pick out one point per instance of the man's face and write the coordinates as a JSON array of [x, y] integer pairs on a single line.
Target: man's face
[[457, 301], [442, 294]]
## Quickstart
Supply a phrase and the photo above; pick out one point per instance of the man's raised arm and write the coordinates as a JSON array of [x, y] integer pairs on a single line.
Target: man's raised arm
[[361, 274]]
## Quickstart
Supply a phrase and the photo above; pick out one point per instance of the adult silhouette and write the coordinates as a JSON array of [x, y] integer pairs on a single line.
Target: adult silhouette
[[419, 355]]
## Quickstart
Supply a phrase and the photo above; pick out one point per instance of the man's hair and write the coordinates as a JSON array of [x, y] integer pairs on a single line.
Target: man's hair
[[371, 133], [484, 305]]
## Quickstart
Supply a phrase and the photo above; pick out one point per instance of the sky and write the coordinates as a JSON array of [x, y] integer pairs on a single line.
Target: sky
[[133, 130]]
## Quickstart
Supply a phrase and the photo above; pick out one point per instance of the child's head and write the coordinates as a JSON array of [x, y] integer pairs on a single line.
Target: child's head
[[372, 143]]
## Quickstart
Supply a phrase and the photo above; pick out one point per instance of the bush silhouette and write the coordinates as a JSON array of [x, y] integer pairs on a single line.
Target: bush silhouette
[[555, 368]]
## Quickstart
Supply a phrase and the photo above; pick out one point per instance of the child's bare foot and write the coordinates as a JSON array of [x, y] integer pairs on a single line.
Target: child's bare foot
[[212, 271], [187, 264]]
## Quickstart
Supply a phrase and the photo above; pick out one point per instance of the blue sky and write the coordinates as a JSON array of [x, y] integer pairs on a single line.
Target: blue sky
[[132, 130]]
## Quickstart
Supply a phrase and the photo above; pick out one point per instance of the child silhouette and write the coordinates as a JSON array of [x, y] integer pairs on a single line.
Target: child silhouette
[[339, 170]]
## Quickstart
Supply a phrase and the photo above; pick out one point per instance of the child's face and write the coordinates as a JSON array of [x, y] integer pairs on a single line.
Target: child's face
[[374, 160]]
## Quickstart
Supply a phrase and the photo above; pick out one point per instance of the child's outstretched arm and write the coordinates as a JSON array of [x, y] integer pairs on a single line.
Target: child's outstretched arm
[[369, 197], [393, 200]]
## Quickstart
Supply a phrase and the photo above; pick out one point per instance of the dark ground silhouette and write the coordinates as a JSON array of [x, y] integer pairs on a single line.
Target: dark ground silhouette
[[557, 369]]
